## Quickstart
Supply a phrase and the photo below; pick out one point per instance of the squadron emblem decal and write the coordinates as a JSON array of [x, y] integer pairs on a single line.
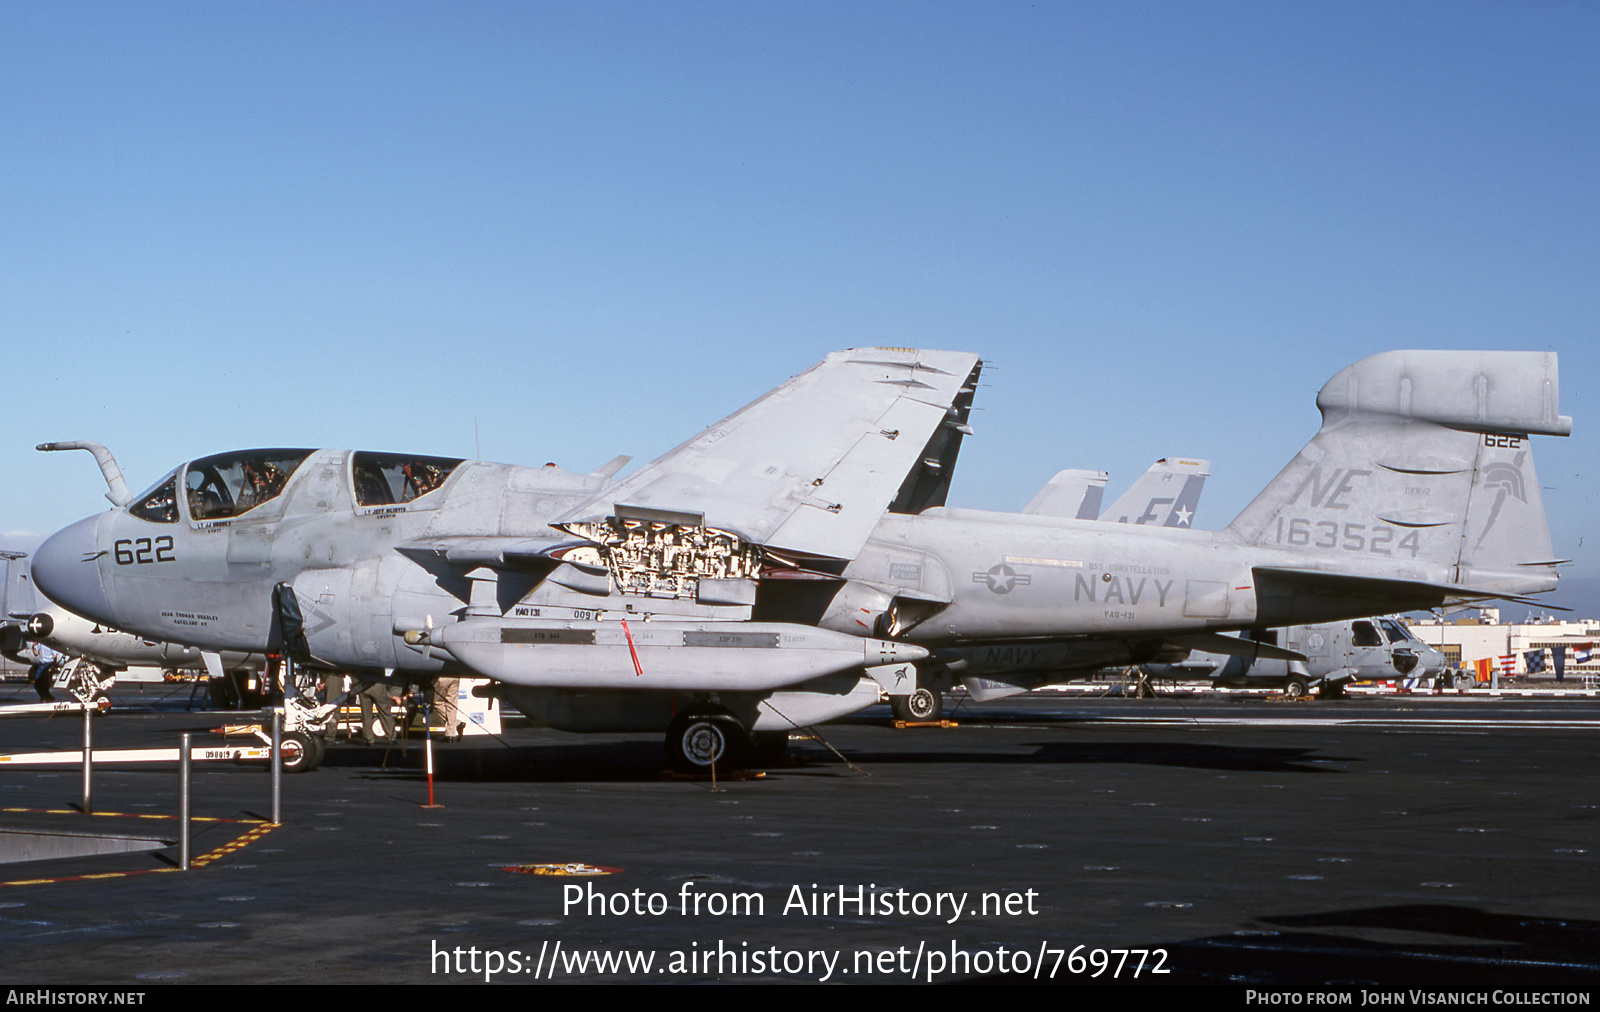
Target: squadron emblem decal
[[1507, 480]]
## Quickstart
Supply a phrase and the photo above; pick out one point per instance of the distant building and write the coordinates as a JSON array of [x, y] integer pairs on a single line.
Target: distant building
[[1465, 641]]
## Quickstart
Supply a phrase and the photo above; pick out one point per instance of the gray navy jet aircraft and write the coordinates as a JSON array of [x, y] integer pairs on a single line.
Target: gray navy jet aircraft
[[1166, 495], [777, 569]]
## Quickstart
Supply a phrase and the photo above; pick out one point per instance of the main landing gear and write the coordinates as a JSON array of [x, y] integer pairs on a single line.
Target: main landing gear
[[707, 741], [920, 707], [697, 742]]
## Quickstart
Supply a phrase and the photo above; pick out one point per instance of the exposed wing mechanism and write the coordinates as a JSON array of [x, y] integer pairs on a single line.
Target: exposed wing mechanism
[[808, 470], [811, 466]]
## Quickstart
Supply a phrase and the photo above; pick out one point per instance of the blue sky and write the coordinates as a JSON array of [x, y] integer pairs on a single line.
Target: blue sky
[[592, 229]]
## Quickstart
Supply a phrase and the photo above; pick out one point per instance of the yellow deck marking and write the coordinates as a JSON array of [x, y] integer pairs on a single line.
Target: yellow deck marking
[[258, 830]]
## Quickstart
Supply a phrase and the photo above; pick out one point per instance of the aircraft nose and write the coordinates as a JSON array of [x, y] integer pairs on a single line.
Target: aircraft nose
[[66, 568], [1437, 662]]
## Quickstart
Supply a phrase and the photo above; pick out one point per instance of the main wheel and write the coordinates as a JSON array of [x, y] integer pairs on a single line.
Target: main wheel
[[919, 707], [302, 753], [1296, 688], [697, 742]]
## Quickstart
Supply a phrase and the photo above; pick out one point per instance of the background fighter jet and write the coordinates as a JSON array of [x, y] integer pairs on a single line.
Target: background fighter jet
[[96, 653], [777, 569], [1166, 495]]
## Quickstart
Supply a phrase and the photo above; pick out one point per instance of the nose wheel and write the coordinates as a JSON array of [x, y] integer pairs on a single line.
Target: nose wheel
[[301, 752]]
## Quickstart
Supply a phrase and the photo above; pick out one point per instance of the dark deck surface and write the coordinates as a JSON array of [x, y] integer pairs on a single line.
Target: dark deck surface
[[1359, 843]]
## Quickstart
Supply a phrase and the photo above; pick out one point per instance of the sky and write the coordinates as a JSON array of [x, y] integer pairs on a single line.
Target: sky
[[563, 231]]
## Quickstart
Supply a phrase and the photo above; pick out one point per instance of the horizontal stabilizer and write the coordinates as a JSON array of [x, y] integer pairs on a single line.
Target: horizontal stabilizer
[[1309, 595]]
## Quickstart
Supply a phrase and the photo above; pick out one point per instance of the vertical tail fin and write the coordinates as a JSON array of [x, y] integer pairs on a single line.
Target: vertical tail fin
[[1423, 459], [1071, 493], [1167, 495]]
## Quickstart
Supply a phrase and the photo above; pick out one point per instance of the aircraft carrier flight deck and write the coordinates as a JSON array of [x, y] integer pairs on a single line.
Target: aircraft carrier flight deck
[[1401, 841]]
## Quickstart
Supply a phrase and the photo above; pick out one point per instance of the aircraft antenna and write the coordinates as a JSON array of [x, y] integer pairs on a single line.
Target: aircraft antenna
[[119, 494]]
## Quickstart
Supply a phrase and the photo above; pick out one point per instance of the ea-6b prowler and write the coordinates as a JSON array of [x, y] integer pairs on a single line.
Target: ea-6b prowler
[[781, 566], [592, 613]]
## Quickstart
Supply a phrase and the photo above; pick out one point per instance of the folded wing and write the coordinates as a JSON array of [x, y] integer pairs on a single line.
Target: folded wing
[[810, 467]]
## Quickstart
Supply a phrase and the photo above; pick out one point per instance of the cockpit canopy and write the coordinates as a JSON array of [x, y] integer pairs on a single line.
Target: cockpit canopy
[[160, 504], [1395, 631], [388, 479], [227, 484]]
